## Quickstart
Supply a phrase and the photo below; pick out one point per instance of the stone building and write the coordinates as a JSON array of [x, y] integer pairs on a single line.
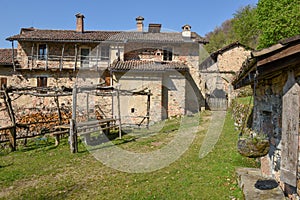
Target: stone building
[[217, 72], [274, 74], [165, 63]]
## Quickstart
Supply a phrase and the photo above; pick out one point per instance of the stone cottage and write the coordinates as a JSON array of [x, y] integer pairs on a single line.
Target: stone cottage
[[274, 74], [217, 72], [163, 63]]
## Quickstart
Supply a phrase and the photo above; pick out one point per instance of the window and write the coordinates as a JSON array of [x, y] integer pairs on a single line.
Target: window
[[3, 82], [41, 82], [168, 54], [84, 57], [104, 55], [42, 52]]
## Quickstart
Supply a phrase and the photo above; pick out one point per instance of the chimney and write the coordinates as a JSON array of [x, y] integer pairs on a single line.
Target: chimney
[[186, 31], [154, 28], [79, 23], [139, 23]]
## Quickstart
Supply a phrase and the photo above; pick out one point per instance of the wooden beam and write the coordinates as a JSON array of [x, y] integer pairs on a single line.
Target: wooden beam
[[13, 140], [73, 131], [278, 55], [62, 58], [13, 55], [76, 57], [47, 55]]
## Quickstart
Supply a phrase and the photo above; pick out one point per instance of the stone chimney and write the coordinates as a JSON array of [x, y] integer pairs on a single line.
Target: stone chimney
[[154, 28], [139, 23], [79, 23], [186, 31]]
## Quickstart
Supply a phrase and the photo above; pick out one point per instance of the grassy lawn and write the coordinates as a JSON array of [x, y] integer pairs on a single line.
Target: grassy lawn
[[48, 172]]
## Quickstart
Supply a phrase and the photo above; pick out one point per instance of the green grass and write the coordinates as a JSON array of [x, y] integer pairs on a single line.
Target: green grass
[[48, 172], [245, 100]]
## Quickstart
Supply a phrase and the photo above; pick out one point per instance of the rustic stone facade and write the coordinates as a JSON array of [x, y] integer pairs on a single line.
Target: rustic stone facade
[[218, 70]]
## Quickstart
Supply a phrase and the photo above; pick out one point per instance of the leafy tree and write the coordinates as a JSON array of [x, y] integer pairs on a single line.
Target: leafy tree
[[277, 20], [245, 27], [220, 37]]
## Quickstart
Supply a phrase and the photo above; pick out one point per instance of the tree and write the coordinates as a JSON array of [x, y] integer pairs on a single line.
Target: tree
[[220, 37], [277, 20], [245, 27]]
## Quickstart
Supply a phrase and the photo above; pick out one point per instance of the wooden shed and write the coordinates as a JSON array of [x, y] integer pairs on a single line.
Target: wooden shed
[[274, 74]]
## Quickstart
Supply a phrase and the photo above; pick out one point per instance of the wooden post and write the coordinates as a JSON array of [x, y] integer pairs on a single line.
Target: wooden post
[[73, 130], [58, 109], [62, 58], [148, 108], [87, 107], [13, 131], [97, 57], [13, 55], [76, 55], [119, 112], [32, 49], [46, 66]]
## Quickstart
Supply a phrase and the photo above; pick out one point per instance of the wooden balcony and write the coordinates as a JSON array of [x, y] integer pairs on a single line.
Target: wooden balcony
[[61, 62]]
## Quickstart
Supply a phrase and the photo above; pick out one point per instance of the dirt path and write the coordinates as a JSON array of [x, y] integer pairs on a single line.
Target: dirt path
[[213, 133]]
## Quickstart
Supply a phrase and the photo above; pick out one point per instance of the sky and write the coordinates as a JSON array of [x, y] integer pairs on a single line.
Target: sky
[[119, 15]]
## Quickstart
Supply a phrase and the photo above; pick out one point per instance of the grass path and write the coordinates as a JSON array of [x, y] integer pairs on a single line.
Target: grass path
[[46, 172], [213, 133]]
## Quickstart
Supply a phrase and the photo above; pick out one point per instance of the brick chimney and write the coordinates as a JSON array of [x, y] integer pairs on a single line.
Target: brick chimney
[[79, 23], [139, 23]]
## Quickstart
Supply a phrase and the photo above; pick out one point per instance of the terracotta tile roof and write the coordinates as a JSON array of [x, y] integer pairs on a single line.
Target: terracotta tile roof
[[6, 56], [32, 34], [146, 65]]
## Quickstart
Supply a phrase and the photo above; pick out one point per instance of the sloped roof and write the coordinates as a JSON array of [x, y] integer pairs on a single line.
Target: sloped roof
[[146, 65], [286, 53], [33, 34], [6, 56], [161, 37]]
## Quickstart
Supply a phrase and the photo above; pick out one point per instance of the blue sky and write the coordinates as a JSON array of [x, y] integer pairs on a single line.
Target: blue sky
[[203, 16]]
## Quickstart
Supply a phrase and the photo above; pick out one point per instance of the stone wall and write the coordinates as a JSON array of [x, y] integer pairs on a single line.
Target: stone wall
[[267, 118]]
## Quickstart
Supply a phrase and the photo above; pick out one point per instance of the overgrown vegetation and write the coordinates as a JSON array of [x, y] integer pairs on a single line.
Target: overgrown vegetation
[[258, 26], [41, 171]]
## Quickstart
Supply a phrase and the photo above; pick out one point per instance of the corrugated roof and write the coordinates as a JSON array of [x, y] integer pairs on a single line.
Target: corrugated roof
[[6, 56], [145, 65]]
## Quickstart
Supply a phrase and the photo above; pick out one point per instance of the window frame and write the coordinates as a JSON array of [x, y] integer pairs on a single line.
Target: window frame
[[3, 81], [104, 53], [42, 53], [167, 54], [85, 63]]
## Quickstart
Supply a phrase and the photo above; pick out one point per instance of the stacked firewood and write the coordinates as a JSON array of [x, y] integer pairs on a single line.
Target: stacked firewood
[[39, 121]]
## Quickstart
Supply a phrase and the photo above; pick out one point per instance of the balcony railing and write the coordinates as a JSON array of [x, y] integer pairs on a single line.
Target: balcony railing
[[61, 62]]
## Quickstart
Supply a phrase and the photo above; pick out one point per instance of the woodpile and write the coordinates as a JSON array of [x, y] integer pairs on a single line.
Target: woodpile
[[39, 121]]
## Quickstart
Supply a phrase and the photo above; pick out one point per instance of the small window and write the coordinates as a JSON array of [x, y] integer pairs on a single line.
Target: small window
[[41, 82], [104, 53], [168, 54], [3, 82], [85, 57], [42, 52]]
